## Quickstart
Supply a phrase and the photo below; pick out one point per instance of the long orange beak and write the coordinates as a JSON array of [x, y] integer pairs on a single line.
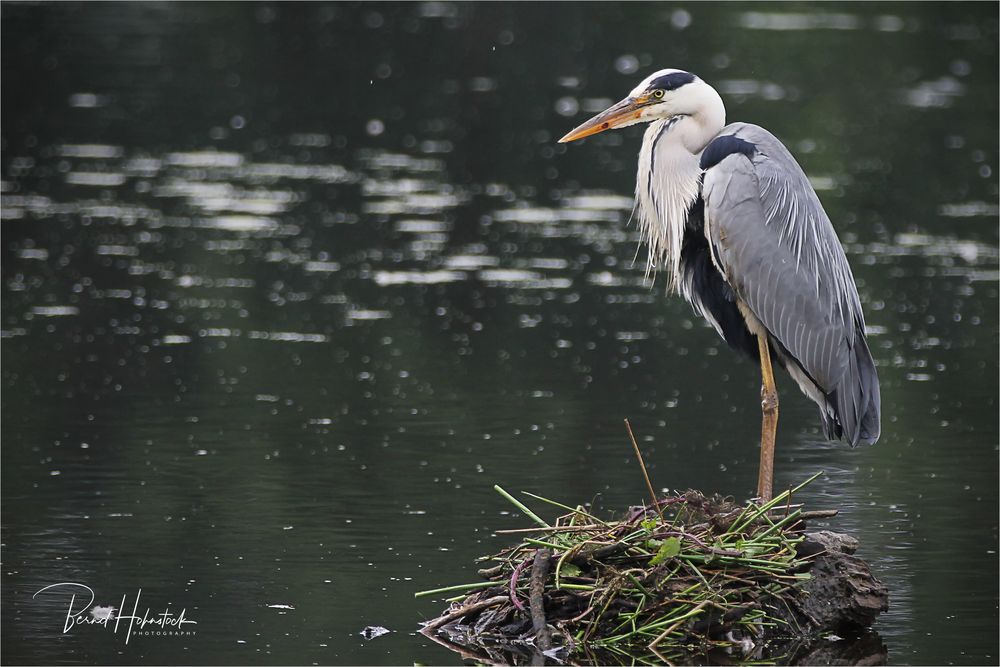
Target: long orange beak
[[623, 112]]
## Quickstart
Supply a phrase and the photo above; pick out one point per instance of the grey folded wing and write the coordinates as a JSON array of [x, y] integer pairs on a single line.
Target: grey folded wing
[[776, 247]]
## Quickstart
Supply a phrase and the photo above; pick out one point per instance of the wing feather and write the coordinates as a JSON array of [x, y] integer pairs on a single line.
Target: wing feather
[[776, 247]]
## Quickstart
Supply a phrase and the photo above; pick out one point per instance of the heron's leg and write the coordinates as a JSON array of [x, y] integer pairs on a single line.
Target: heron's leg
[[769, 424]]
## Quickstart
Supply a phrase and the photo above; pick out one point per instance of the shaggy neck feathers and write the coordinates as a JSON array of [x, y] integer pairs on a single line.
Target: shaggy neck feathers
[[668, 180]]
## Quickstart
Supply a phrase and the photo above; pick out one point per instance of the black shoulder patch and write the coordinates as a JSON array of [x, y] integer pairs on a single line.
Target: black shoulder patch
[[721, 147], [709, 293], [671, 81]]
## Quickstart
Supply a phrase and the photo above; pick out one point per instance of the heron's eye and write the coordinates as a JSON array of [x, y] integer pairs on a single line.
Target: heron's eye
[[658, 94]]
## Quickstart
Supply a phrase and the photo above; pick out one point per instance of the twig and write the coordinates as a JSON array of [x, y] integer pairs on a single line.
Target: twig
[[581, 616], [728, 618], [762, 510], [539, 571], [464, 611], [553, 529], [700, 543], [513, 584], [601, 553], [652, 646], [490, 572], [479, 657], [543, 543], [574, 510], [649, 485], [818, 514]]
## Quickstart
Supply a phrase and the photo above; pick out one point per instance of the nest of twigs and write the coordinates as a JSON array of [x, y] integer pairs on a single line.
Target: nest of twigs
[[690, 573]]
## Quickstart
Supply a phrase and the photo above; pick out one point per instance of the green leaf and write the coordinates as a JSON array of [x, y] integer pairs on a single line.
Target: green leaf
[[570, 570], [649, 525], [670, 548]]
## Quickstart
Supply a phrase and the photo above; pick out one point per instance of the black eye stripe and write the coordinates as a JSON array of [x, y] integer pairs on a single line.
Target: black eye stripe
[[672, 81]]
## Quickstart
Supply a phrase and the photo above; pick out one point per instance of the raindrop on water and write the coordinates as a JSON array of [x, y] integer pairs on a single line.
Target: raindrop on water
[[627, 64], [567, 106]]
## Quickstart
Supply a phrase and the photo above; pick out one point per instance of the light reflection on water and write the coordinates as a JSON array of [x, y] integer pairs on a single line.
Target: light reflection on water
[[251, 365]]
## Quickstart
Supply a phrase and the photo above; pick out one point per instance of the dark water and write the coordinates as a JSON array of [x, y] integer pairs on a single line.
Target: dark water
[[287, 289]]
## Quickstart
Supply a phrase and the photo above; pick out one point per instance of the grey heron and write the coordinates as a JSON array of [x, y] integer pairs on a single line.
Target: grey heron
[[731, 218]]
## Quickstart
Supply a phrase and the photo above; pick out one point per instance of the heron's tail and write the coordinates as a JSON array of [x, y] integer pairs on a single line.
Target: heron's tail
[[856, 402]]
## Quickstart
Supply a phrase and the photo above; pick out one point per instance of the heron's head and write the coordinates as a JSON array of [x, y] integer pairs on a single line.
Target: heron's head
[[664, 94]]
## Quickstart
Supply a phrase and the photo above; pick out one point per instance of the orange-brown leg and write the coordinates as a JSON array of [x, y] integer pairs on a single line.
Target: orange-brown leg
[[769, 423]]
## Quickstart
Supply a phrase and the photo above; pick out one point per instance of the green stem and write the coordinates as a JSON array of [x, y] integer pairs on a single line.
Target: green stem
[[521, 506], [543, 543], [575, 510], [458, 587], [766, 507]]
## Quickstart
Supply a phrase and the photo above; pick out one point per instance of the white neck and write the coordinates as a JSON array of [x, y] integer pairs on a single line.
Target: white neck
[[668, 178], [706, 121]]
